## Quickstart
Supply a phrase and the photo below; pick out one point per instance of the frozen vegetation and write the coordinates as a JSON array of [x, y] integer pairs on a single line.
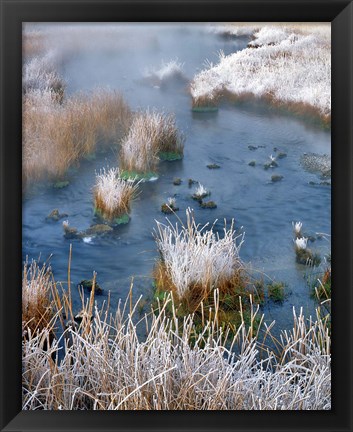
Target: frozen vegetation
[[151, 135], [112, 194], [193, 354], [288, 65], [167, 70], [105, 365], [194, 255]]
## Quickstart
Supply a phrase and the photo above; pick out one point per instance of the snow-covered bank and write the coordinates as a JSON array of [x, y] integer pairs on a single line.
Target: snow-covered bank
[[289, 65]]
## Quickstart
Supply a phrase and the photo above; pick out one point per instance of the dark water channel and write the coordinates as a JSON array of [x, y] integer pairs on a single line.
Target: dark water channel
[[264, 209]]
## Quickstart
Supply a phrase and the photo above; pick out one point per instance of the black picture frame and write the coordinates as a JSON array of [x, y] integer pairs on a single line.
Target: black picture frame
[[13, 13]]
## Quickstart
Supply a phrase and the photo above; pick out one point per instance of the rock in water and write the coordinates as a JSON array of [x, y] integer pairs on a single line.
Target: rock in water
[[97, 229], [55, 215], [86, 284]]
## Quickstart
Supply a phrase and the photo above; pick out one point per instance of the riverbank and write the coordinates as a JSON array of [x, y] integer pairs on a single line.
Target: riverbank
[[285, 65]]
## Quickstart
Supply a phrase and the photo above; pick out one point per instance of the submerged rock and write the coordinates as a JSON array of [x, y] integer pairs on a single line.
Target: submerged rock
[[192, 182], [281, 155], [276, 178], [55, 215], [252, 163], [272, 164], [70, 232], [79, 317], [86, 284], [252, 148], [97, 229], [213, 166], [177, 181], [318, 164], [208, 205]]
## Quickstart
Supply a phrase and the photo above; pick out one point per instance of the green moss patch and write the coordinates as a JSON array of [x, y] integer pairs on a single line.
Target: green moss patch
[[276, 291], [204, 109], [61, 184], [170, 156], [122, 220], [131, 175]]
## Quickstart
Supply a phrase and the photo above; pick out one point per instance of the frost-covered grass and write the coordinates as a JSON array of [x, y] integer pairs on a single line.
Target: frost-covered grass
[[105, 365], [195, 259], [56, 134], [112, 194], [40, 73], [200, 192], [291, 66], [37, 285], [167, 71], [150, 133]]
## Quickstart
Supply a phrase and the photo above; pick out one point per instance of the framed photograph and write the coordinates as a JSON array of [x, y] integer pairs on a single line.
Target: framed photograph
[[176, 203]]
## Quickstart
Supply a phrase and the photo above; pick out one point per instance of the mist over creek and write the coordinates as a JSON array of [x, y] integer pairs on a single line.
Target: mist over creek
[[262, 208]]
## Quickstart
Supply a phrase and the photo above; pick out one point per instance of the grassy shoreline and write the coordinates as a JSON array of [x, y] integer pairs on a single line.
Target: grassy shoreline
[[286, 65], [95, 359]]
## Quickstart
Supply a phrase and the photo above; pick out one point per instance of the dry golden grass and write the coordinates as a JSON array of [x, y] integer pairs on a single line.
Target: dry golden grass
[[112, 194], [56, 135], [230, 288], [36, 304], [100, 361], [151, 133]]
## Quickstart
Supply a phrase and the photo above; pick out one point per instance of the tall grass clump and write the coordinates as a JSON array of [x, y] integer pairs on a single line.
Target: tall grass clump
[[171, 70], [113, 195], [37, 285], [40, 73], [56, 134], [286, 65], [152, 136], [99, 361], [196, 260]]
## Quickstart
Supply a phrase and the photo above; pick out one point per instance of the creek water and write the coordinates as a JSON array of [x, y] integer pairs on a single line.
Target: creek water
[[262, 208]]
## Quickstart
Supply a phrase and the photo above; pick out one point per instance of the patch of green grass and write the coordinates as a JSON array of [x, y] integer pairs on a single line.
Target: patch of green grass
[[204, 109], [122, 220], [170, 156], [130, 175], [61, 184], [276, 291]]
